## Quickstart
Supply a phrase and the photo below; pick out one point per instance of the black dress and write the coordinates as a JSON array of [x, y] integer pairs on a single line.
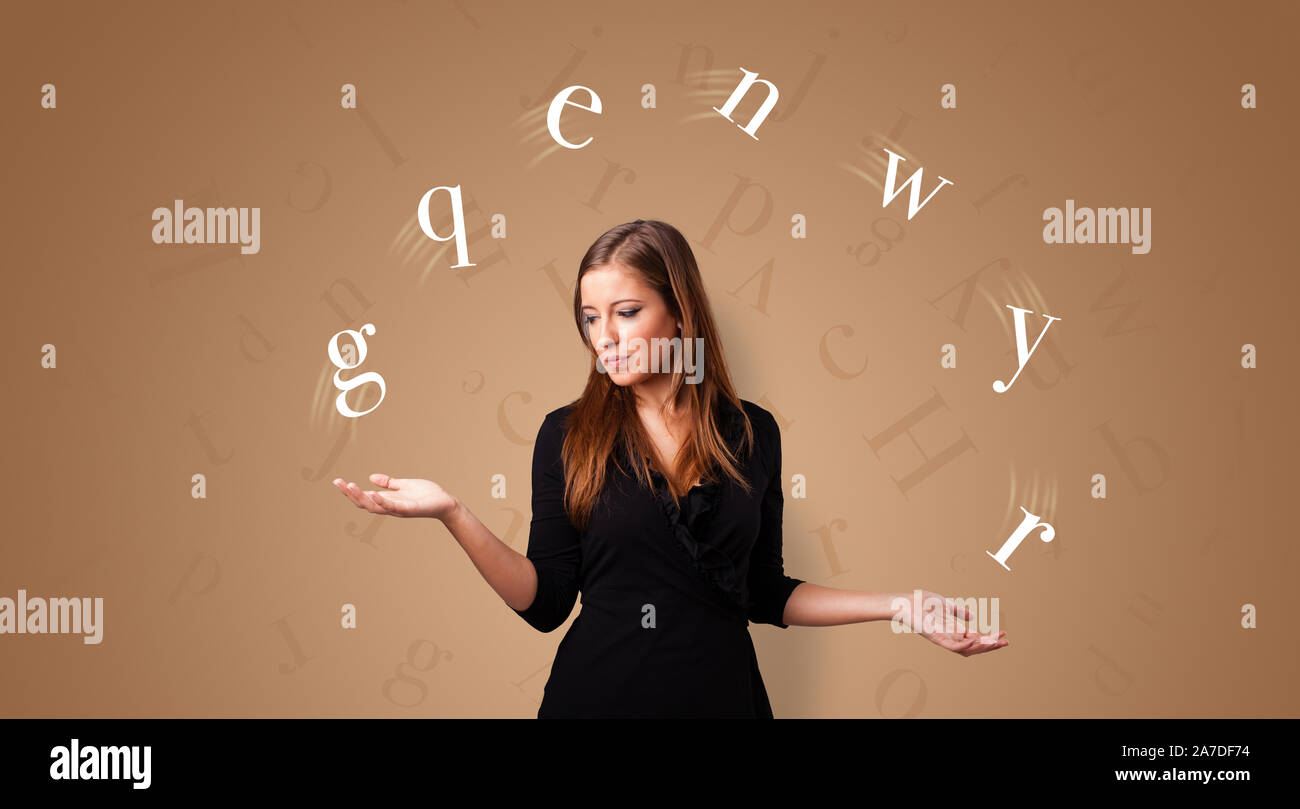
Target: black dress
[[667, 593]]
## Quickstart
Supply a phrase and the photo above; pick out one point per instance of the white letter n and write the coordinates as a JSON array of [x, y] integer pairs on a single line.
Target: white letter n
[[739, 93]]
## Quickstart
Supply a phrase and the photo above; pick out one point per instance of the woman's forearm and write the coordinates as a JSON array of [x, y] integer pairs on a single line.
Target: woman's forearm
[[508, 572], [814, 605]]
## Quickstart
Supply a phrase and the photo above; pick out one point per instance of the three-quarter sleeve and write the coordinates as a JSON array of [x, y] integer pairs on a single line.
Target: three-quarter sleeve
[[769, 586], [553, 541]]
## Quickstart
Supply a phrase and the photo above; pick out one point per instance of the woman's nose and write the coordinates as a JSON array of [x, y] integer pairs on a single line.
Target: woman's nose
[[608, 337]]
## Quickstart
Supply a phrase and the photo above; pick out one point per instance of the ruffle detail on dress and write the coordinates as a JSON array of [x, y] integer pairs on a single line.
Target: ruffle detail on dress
[[713, 564]]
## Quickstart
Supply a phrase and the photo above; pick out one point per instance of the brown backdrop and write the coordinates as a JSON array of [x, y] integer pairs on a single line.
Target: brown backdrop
[[181, 360]]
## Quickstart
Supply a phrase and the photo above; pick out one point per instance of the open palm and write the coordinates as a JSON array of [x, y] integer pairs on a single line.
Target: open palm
[[963, 639], [967, 642], [400, 497]]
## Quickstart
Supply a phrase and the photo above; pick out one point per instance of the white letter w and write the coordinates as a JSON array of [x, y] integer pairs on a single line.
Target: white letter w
[[914, 181]]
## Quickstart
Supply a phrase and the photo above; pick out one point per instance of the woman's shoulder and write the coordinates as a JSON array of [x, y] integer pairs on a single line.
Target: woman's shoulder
[[760, 417], [548, 447], [556, 422], [767, 433]]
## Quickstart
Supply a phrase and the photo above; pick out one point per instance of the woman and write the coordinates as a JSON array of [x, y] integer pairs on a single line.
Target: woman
[[657, 495]]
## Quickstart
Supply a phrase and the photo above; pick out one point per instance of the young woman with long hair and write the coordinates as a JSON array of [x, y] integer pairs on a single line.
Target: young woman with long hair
[[657, 495]]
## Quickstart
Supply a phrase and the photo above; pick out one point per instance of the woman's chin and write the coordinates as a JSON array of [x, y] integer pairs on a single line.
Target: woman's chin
[[624, 378]]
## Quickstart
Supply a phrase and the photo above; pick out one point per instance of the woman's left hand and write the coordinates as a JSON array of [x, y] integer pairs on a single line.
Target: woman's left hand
[[948, 627]]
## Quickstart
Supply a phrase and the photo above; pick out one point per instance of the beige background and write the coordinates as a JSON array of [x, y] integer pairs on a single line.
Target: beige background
[[177, 360]]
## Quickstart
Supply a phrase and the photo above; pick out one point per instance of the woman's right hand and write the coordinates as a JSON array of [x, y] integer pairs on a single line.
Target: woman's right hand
[[400, 497]]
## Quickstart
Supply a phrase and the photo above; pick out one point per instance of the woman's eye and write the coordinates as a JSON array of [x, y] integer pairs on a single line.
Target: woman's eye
[[622, 313]]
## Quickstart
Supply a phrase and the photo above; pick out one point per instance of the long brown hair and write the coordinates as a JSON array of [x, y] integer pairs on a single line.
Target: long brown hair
[[604, 418]]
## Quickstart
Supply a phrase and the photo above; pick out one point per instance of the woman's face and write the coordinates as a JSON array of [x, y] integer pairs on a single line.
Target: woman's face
[[628, 324]]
